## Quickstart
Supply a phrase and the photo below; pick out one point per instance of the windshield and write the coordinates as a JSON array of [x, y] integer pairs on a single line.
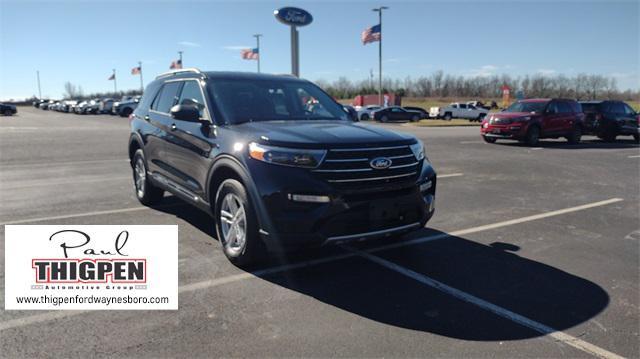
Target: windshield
[[267, 100], [527, 107]]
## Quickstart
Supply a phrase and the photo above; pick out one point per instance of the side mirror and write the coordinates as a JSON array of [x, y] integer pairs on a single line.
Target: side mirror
[[353, 114], [185, 113]]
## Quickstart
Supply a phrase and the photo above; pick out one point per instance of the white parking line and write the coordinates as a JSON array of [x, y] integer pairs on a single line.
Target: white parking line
[[61, 163], [502, 312], [451, 175], [40, 318], [636, 156], [86, 214]]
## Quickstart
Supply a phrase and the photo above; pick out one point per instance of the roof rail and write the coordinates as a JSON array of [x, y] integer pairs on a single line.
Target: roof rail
[[178, 71]]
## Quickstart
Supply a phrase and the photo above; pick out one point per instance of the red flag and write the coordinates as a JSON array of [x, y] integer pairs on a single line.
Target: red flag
[[136, 70]]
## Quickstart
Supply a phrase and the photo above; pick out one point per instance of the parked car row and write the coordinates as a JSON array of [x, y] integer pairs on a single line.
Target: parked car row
[[124, 107], [8, 109], [472, 111], [532, 119]]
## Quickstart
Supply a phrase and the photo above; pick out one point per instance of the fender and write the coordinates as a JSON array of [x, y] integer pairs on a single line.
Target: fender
[[232, 163], [135, 137]]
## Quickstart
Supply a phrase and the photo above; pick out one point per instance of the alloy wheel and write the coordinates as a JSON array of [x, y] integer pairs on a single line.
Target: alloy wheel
[[233, 221]]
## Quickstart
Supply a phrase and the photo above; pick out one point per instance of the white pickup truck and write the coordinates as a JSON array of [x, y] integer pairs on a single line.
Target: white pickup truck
[[458, 110]]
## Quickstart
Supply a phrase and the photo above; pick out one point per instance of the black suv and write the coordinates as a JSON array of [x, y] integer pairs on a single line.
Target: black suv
[[276, 161], [610, 119]]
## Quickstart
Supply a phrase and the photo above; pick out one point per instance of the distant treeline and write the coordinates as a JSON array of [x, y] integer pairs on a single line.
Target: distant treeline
[[439, 84]]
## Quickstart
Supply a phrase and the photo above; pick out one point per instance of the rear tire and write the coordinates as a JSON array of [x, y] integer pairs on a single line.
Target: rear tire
[[146, 192], [533, 136], [8, 113], [415, 118], [384, 119], [364, 117], [237, 225], [575, 136], [447, 117], [126, 112], [636, 137]]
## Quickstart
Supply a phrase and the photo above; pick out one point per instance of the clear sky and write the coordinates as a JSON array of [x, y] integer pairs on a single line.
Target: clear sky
[[81, 41]]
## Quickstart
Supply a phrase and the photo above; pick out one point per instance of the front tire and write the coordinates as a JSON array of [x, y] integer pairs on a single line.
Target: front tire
[[533, 136], [146, 192], [415, 118], [8, 113], [237, 224], [489, 139], [384, 119], [364, 117], [636, 137], [447, 117]]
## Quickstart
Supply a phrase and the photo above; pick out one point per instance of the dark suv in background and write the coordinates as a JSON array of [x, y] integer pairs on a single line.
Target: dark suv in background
[[276, 161], [530, 120], [610, 119]]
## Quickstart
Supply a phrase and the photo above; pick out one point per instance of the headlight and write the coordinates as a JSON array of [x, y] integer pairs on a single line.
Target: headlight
[[418, 150], [286, 156]]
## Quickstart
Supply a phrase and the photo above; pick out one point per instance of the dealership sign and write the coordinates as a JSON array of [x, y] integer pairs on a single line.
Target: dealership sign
[[293, 16], [91, 267]]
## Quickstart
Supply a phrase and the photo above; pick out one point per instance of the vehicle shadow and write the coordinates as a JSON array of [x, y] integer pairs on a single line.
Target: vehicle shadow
[[584, 144], [493, 273]]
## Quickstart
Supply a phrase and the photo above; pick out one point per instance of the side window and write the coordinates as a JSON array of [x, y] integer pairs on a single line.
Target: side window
[[618, 107], [455, 105], [462, 105], [396, 109], [154, 104], [168, 97], [564, 107], [191, 95], [628, 110]]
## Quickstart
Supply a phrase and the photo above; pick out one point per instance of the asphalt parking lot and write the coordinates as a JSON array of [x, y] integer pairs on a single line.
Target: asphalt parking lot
[[533, 252]]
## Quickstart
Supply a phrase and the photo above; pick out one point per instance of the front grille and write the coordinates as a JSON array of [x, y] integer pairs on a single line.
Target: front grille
[[350, 167]]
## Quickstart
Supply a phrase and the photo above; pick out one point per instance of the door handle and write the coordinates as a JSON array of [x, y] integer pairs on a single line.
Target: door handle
[[146, 118], [173, 127]]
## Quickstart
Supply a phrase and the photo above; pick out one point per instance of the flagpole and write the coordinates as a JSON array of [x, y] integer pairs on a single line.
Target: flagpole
[[141, 82], [181, 64], [379, 11], [115, 85], [39, 90], [257, 36]]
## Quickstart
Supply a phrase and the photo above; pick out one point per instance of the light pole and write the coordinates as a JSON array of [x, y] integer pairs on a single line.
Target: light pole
[[39, 90], [257, 36], [379, 11]]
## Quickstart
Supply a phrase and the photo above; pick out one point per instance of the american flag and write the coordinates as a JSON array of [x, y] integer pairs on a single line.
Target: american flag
[[176, 64], [112, 77], [250, 54], [371, 34], [136, 70]]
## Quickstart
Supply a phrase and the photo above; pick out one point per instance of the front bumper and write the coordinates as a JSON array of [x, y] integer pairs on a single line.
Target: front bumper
[[349, 215], [513, 131]]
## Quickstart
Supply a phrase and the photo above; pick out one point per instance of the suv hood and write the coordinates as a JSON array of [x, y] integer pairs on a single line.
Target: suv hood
[[319, 134]]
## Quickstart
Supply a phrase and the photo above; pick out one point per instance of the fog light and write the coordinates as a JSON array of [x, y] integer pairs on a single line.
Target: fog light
[[425, 186], [308, 198]]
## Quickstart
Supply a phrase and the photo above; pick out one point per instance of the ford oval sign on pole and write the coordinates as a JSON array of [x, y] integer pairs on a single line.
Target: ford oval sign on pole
[[294, 17]]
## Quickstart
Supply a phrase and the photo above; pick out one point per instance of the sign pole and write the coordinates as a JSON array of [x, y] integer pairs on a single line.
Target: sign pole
[[294, 17], [141, 82]]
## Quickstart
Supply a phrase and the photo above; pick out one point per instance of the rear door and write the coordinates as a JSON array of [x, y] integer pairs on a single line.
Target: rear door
[[629, 120], [552, 119], [567, 118]]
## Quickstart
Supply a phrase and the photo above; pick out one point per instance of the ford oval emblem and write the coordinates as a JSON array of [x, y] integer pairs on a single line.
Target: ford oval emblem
[[380, 163], [293, 16]]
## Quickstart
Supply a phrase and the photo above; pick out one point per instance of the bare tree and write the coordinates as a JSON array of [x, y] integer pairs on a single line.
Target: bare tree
[[72, 91]]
